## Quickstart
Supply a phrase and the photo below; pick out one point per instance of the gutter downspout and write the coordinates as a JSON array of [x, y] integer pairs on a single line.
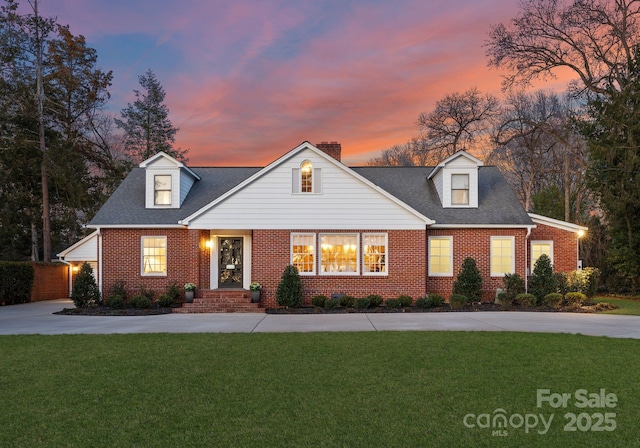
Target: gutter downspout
[[526, 258], [99, 234]]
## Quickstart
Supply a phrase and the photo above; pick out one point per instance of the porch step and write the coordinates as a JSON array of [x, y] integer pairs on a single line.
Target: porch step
[[221, 301]]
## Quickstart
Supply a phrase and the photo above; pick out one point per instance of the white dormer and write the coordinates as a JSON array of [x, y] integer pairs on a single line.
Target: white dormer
[[456, 180], [167, 181]]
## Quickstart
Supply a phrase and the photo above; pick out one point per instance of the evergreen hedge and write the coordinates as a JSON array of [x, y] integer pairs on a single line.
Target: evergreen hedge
[[16, 282]]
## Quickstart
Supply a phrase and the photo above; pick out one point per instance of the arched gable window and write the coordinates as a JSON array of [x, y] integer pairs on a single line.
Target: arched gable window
[[306, 177]]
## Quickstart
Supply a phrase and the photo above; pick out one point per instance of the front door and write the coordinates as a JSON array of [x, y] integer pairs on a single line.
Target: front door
[[230, 262]]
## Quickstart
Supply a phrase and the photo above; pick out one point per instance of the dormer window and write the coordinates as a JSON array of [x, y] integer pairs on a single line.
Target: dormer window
[[162, 189], [306, 177], [459, 189]]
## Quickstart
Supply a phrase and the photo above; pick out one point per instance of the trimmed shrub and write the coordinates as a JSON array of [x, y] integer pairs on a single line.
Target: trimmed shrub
[[436, 300], [331, 304], [552, 300], [115, 302], [405, 300], [513, 285], [392, 303], [173, 291], [584, 281], [347, 301], [562, 282], [148, 293], [526, 299], [165, 301], [140, 301], [118, 289], [16, 282], [374, 300], [289, 292], [469, 281], [574, 298], [503, 299], [319, 301], [542, 281], [362, 303], [458, 301], [85, 292], [423, 303]]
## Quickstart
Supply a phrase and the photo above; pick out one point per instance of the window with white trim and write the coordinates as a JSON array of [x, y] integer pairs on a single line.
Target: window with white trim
[[162, 189], [339, 253], [375, 248], [306, 177], [539, 248], [303, 249], [502, 255], [459, 189], [441, 256], [154, 255]]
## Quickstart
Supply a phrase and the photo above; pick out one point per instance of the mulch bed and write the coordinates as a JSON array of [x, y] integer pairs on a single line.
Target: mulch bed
[[105, 311]]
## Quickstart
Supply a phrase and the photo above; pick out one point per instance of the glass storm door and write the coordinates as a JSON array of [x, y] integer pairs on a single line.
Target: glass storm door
[[230, 262]]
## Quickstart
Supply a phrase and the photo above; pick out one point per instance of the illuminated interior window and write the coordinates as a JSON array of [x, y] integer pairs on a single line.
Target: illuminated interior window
[[440, 256], [339, 254], [375, 253], [154, 255], [306, 177], [162, 189], [502, 255], [303, 252], [459, 189], [539, 248]]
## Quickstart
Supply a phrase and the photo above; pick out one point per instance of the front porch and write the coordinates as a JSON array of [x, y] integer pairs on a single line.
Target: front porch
[[221, 301]]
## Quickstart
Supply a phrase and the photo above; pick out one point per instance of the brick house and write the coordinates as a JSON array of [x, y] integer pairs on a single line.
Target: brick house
[[357, 231]]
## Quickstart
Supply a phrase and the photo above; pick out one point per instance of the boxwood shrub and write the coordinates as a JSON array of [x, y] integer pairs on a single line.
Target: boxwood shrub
[[374, 300], [405, 300], [362, 303], [458, 301], [319, 301], [552, 300]]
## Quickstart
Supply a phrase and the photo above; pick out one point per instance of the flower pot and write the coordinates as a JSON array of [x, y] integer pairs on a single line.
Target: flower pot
[[255, 296], [188, 296]]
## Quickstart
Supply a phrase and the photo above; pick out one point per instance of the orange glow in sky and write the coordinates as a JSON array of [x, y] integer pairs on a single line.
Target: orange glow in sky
[[247, 81]]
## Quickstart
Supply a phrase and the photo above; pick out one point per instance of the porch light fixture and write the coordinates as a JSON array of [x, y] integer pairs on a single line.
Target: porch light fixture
[[581, 233], [209, 244]]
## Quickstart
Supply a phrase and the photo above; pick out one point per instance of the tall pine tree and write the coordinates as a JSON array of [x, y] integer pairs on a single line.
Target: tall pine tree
[[146, 125]]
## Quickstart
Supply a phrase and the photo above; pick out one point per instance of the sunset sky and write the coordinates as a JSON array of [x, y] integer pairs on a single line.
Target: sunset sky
[[247, 81]]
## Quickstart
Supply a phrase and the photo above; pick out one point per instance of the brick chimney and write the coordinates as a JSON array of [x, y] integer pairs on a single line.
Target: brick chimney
[[331, 148]]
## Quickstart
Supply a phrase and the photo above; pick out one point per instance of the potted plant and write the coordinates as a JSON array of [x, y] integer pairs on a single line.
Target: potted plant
[[255, 288], [189, 292]]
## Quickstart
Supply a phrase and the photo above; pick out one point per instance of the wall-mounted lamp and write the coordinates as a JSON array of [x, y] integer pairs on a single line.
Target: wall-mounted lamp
[[209, 244], [581, 233]]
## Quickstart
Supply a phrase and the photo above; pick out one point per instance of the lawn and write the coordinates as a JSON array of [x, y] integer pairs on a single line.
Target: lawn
[[316, 389], [626, 305]]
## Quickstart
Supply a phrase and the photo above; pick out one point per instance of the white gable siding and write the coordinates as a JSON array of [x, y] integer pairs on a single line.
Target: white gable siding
[[186, 182], [438, 182], [84, 250], [345, 203]]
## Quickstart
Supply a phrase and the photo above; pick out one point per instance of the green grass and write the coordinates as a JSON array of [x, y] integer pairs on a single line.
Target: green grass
[[629, 306], [318, 389]]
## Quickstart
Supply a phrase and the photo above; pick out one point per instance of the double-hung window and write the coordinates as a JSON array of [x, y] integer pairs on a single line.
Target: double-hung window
[[502, 255], [374, 260], [539, 248], [441, 256], [459, 189], [154, 255], [303, 250], [162, 189]]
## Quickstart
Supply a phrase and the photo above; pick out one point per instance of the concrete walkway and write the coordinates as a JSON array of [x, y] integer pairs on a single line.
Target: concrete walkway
[[38, 318]]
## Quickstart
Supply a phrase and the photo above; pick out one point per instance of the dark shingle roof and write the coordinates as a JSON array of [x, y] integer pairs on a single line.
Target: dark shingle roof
[[127, 204], [497, 205]]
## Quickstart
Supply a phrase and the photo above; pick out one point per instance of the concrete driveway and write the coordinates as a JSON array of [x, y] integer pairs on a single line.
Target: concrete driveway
[[38, 318]]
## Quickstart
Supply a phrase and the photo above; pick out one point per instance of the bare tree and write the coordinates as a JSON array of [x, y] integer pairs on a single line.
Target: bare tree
[[537, 146], [593, 38], [459, 121]]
